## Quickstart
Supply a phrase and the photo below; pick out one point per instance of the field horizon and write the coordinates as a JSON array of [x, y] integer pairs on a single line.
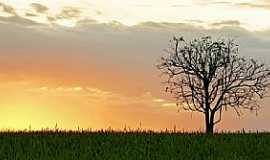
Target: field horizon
[[109, 129]]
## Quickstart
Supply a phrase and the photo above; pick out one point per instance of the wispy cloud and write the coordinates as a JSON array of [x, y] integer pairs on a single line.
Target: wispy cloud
[[259, 4], [68, 17], [169, 105], [96, 95], [39, 8], [254, 5], [159, 100], [18, 20], [28, 14], [69, 12], [7, 9], [99, 12], [226, 23]]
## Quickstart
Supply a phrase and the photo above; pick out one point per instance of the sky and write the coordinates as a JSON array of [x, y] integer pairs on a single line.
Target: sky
[[91, 64]]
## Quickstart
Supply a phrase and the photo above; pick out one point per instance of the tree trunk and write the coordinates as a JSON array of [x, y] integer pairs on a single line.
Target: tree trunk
[[211, 128], [208, 118], [209, 122]]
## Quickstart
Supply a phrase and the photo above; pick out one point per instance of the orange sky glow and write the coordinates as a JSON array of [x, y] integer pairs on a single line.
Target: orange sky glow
[[91, 64]]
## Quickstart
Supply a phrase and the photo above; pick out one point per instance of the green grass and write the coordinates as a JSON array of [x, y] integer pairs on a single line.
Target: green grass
[[135, 145]]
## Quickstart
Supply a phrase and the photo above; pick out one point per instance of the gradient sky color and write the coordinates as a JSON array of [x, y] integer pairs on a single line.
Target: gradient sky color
[[91, 64]]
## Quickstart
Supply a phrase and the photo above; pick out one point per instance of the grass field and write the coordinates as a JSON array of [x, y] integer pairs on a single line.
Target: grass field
[[135, 145]]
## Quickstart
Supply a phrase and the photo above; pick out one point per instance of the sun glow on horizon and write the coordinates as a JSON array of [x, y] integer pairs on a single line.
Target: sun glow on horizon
[[44, 106]]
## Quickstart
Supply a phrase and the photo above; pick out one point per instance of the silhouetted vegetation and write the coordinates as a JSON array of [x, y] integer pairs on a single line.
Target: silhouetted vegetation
[[209, 76], [109, 145]]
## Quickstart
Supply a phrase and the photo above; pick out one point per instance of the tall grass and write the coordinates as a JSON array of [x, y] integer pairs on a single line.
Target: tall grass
[[109, 144]]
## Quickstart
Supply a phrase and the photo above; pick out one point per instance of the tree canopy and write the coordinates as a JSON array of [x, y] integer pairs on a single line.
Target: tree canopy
[[208, 76]]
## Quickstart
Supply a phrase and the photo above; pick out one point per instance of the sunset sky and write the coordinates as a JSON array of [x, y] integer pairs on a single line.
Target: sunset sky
[[92, 63]]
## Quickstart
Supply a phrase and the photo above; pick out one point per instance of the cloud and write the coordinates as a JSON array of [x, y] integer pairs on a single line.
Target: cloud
[[260, 4], [196, 21], [8, 9], [68, 17], [159, 100], [69, 12], [39, 8], [253, 5], [226, 23], [163, 25], [18, 20], [169, 105], [93, 94], [211, 2], [24, 20], [98, 12], [51, 19], [31, 15], [86, 22], [222, 2]]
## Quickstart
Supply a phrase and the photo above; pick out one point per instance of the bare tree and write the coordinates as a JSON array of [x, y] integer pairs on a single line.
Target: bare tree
[[209, 76]]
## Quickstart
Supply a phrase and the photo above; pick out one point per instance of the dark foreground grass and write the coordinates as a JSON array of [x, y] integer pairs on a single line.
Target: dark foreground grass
[[135, 145]]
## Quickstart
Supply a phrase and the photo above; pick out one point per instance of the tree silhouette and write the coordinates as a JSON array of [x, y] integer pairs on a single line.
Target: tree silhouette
[[209, 76]]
